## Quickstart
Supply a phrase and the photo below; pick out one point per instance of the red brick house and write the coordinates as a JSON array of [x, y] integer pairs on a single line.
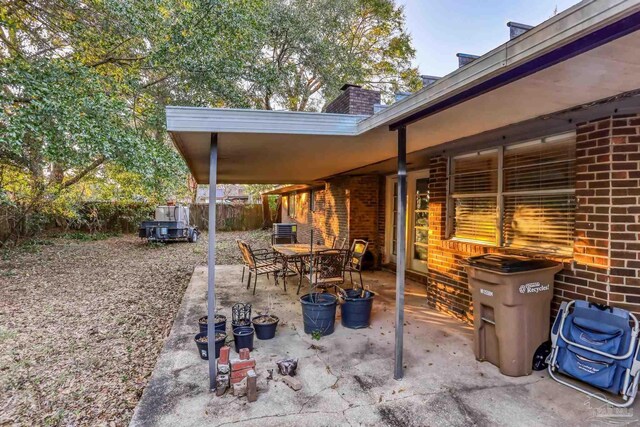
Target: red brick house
[[532, 148]]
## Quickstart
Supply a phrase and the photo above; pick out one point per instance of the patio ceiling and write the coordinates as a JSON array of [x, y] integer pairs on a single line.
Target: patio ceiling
[[597, 55]]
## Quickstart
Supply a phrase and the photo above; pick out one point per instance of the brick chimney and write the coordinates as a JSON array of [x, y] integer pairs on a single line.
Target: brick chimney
[[354, 100], [516, 28]]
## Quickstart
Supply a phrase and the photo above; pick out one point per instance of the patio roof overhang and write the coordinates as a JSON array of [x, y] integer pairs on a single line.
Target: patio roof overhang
[[587, 53], [284, 189]]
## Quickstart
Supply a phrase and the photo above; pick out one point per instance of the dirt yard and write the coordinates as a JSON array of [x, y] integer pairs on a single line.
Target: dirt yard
[[82, 323]]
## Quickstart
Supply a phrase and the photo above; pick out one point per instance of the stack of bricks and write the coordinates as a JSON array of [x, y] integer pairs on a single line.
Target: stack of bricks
[[223, 371], [241, 367], [239, 374]]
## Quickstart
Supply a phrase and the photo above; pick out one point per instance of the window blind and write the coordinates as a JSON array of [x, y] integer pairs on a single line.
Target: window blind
[[539, 201], [542, 222], [532, 194], [540, 166], [474, 191], [475, 218], [476, 174]]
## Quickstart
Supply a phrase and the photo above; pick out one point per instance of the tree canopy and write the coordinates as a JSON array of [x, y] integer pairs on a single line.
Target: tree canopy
[[84, 83]]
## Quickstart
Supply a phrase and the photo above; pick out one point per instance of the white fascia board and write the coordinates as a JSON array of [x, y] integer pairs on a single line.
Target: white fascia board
[[563, 28], [229, 120]]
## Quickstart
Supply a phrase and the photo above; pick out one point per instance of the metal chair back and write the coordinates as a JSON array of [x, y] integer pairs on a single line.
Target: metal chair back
[[356, 255], [339, 243], [328, 267], [247, 254]]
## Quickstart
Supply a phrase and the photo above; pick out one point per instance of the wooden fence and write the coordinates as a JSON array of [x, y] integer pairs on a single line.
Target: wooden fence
[[126, 217], [228, 217]]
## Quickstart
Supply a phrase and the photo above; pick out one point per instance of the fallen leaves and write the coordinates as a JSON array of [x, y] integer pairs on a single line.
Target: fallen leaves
[[82, 324]]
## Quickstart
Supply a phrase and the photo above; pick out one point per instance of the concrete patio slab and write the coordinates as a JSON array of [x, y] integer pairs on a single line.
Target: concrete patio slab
[[348, 376]]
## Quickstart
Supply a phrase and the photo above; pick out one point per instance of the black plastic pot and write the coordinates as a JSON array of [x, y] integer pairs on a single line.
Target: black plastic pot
[[265, 331], [319, 313], [203, 347], [243, 337], [220, 326], [356, 309], [241, 323]]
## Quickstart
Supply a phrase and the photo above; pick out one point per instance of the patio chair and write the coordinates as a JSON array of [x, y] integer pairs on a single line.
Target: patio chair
[[339, 243], [354, 261], [327, 269], [261, 265], [599, 346], [258, 253]]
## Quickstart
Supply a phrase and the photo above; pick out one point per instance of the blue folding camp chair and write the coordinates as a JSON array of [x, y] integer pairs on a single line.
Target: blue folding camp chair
[[597, 345]]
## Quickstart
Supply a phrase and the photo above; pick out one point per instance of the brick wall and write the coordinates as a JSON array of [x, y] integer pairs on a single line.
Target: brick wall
[[330, 218], [607, 252], [346, 208], [354, 100], [447, 287], [363, 217]]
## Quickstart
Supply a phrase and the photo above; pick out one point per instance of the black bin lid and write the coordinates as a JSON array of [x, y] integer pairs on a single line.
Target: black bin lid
[[509, 263]]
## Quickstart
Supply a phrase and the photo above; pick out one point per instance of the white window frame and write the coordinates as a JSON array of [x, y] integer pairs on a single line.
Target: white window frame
[[500, 194]]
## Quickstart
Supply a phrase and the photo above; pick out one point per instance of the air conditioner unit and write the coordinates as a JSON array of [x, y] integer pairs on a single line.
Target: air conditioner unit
[[284, 233]]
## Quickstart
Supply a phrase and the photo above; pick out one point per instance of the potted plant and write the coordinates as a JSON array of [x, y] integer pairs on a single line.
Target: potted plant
[[220, 323], [265, 324], [318, 313], [243, 337], [356, 307], [202, 342]]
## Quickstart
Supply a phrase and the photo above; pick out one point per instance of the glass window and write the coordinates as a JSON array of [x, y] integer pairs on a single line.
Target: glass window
[[539, 200], [291, 205], [532, 198], [474, 181]]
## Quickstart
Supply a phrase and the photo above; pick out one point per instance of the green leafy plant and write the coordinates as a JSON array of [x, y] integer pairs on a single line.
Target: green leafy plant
[[84, 85], [316, 335]]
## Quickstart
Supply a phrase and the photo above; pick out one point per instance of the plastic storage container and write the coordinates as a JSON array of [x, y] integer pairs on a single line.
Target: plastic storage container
[[511, 309]]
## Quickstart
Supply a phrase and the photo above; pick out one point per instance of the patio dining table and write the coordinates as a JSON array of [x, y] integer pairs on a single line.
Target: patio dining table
[[295, 253]]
